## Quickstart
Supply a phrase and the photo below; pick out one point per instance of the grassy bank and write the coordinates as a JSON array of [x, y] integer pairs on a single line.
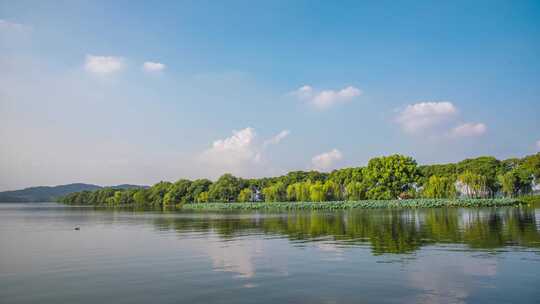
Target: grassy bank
[[367, 204]]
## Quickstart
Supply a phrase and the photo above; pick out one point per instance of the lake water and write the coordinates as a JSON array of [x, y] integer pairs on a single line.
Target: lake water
[[356, 256]]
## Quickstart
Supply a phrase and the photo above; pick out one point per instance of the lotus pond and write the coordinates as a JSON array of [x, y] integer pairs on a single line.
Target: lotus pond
[[367, 204]]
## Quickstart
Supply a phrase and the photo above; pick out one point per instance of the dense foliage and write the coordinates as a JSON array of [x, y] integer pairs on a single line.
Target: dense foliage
[[384, 178]]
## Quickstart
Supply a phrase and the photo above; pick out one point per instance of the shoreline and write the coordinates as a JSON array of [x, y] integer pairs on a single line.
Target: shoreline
[[333, 205]]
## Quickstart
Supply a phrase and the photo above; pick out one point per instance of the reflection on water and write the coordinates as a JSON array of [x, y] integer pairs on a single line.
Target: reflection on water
[[386, 231], [382, 256]]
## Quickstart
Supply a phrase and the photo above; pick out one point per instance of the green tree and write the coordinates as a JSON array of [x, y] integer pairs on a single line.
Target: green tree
[[202, 197], [178, 193], [304, 193], [332, 191], [388, 176], [275, 193], [140, 197], [486, 166], [103, 195], [473, 185], [531, 164], [292, 192], [157, 193], [245, 195], [355, 191], [346, 175], [225, 189], [197, 187], [509, 183], [316, 192], [444, 170], [439, 187]]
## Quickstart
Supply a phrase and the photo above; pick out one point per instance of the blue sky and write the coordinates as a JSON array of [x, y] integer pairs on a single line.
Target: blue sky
[[304, 84]]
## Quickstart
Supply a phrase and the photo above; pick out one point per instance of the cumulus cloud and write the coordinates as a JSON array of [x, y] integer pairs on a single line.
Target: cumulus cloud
[[236, 149], [240, 153], [326, 98], [150, 66], [6, 25], [326, 160], [469, 129], [437, 118], [424, 115], [103, 65], [277, 138]]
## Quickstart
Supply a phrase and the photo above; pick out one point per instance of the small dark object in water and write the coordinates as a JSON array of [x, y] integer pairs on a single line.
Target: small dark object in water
[[77, 228]]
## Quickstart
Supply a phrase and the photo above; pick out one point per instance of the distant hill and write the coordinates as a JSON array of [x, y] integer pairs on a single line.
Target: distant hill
[[49, 194]]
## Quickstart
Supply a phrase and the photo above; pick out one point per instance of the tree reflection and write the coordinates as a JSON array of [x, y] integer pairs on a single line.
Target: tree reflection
[[386, 231]]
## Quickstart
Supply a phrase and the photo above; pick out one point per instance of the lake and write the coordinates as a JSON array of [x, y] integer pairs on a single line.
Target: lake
[[489, 255]]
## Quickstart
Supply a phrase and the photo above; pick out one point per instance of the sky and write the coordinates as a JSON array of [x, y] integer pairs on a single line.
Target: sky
[[112, 92]]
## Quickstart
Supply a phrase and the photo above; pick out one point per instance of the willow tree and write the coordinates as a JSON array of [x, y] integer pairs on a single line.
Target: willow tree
[[355, 191], [203, 197], [509, 183], [275, 193], [473, 185], [332, 191], [293, 191], [245, 195], [303, 191], [439, 187], [316, 192]]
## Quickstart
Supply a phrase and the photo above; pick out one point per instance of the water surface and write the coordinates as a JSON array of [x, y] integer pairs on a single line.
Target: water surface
[[489, 255]]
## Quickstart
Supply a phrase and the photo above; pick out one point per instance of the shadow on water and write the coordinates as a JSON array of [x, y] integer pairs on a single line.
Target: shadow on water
[[385, 231]]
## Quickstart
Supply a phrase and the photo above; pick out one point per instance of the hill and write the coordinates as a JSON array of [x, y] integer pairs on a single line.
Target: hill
[[48, 194]]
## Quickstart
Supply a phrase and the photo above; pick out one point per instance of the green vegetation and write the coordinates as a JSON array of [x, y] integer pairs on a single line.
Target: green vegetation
[[367, 204], [380, 184], [439, 187], [532, 200]]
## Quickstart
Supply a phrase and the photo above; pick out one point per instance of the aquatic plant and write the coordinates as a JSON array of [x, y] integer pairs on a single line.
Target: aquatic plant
[[366, 204]]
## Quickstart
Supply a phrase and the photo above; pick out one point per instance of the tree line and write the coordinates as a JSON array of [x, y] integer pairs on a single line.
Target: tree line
[[388, 177]]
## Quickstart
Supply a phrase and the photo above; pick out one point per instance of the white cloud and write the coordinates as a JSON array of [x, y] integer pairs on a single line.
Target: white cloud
[[139, 158], [240, 153], [437, 119], [150, 66], [103, 64], [445, 283], [277, 138], [237, 148], [304, 92], [538, 145], [6, 25], [424, 115], [469, 130], [326, 98], [326, 160]]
